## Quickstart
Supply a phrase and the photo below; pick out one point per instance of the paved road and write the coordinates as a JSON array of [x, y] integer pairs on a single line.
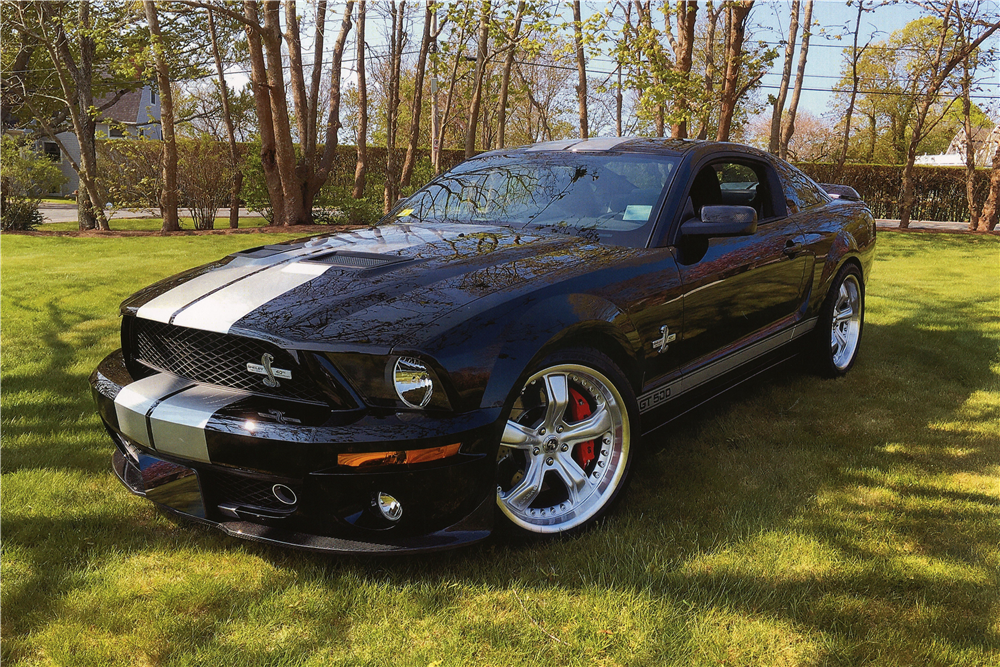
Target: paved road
[[67, 213], [927, 224]]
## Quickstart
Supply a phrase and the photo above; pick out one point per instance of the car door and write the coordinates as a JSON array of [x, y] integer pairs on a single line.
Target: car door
[[739, 289]]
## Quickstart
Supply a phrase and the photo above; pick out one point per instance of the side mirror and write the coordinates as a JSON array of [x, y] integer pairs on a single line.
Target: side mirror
[[722, 221]]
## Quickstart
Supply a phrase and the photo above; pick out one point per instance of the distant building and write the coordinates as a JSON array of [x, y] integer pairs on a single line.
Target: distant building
[[135, 115], [984, 142]]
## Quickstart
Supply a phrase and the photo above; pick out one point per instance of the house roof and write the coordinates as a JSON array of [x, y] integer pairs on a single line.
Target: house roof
[[125, 110]]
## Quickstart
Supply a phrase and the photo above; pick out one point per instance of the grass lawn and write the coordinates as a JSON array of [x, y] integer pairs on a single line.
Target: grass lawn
[[149, 224], [797, 522]]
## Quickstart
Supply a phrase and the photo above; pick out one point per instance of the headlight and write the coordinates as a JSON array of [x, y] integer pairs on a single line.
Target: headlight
[[413, 382]]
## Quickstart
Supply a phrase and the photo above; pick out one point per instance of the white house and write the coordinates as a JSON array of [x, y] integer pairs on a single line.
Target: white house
[[136, 114], [984, 143]]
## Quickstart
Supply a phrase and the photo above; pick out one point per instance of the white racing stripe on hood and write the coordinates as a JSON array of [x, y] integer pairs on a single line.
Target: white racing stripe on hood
[[216, 300], [220, 310]]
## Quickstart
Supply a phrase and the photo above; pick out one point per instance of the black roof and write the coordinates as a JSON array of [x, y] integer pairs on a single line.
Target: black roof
[[626, 144]]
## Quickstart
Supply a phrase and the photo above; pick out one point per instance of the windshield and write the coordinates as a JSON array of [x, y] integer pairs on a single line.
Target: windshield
[[602, 196]]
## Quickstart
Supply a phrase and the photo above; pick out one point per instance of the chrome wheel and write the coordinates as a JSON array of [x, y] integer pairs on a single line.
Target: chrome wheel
[[845, 326], [564, 451]]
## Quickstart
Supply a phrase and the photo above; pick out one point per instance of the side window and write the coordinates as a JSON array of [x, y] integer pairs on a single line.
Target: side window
[[801, 192], [732, 184]]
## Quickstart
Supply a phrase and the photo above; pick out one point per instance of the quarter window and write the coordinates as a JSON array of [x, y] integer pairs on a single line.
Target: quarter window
[[801, 192]]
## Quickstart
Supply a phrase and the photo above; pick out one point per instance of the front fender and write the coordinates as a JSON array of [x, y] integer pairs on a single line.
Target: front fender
[[565, 320]]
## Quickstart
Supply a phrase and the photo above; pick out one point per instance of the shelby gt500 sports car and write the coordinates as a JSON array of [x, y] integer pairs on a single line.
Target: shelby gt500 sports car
[[492, 351]]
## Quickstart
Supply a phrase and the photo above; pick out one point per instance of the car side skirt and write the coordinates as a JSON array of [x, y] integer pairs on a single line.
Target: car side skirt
[[692, 380]]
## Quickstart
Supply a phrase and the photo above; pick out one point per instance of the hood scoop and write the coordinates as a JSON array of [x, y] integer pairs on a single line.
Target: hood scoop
[[355, 260]]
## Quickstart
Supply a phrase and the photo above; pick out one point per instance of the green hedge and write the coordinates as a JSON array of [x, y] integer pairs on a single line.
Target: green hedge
[[940, 191]]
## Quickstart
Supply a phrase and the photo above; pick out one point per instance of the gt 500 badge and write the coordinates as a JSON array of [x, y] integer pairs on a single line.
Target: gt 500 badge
[[265, 368]]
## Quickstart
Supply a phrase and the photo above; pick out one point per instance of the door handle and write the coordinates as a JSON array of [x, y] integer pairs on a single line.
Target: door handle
[[792, 248]]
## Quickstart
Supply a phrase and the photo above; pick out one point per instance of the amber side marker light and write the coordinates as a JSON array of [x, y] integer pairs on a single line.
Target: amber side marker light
[[398, 457]]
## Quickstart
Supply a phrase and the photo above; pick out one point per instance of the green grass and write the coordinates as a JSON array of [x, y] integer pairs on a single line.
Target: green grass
[[149, 224], [797, 522]]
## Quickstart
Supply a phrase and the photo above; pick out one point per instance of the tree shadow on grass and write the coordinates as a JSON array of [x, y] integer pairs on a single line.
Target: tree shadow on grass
[[54, 400]]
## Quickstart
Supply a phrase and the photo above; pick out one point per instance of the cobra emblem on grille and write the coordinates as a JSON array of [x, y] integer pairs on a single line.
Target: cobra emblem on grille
[[265, 368]]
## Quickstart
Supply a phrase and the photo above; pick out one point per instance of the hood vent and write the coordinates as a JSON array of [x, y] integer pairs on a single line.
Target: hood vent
[[355, 260]]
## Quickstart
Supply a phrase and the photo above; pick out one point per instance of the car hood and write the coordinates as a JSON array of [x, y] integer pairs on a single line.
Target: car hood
[[380, 286]]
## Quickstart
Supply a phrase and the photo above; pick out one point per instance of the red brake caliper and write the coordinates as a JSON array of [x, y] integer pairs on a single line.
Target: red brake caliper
[[579, 410]]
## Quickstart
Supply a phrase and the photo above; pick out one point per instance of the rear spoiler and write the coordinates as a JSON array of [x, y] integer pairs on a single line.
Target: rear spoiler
[[844, 192]]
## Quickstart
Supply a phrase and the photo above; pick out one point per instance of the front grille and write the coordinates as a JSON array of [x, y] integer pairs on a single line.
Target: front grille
[[245, 491], [219, 359]]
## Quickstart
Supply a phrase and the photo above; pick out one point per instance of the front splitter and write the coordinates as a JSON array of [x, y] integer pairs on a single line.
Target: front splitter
[[452, 537]]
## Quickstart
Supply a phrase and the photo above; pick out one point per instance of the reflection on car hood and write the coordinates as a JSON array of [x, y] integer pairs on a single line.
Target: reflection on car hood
[[378, 286]]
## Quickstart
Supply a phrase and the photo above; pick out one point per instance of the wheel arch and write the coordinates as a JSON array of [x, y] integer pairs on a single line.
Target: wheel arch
[[562, 322]]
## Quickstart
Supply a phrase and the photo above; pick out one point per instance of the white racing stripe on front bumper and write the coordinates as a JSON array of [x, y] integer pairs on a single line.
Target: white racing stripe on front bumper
[[178, 422], [219, 311], [134, 402], [169, 414]]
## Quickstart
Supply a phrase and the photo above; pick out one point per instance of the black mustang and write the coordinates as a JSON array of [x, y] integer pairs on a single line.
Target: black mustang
[[501, 340]]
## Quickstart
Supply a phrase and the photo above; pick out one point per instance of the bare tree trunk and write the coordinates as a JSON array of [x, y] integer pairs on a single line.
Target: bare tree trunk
[[227, 116], [970, 148], [477, 91], [991, 210], [312, 119], [508, 63], [418, 100], [786, 75], [168, 159], [713, 20], [391, 188], [333, 124], [262, 101], [435, 112], [855, 57], [284, 148], [789, 129], [362, 165], [581, 69], [736, 19], [618, 103], [687, 12]]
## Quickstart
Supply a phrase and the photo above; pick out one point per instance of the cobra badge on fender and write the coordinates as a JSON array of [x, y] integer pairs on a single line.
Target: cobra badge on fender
[[265, 368]]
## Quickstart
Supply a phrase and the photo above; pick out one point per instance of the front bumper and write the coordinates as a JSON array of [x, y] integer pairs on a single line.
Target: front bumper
[[215, 456]]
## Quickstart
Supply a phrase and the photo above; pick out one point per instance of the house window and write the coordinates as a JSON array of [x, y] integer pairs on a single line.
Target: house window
[[115, 132], [152, 95], [52, 151]]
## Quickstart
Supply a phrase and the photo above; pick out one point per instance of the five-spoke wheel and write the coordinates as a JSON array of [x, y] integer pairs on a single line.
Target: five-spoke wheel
[[841, 320], [564, 454]]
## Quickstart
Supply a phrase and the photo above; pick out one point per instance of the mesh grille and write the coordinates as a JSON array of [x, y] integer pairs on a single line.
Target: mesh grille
[[241, 490], [219, 359]]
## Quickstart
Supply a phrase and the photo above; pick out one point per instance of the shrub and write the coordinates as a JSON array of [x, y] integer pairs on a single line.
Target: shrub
[[25, 177], [130, 175], [204, 178], [940, 191]]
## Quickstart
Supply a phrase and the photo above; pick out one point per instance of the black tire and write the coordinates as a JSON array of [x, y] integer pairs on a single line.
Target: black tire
[[546, 484], [837, 338]]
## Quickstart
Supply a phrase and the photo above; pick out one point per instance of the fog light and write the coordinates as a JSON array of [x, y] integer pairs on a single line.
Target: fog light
[[284, 494], [388, 506]]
